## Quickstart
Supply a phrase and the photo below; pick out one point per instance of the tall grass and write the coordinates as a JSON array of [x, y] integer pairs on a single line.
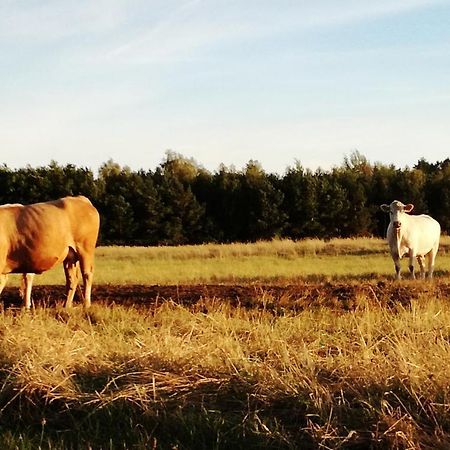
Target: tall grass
[[277, 247], [176, 377]]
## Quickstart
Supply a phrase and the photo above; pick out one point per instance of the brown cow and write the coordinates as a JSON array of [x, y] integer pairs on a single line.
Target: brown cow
[[34, 238]]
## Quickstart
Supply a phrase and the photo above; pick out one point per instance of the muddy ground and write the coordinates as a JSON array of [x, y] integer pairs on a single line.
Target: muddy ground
[[291, 297]]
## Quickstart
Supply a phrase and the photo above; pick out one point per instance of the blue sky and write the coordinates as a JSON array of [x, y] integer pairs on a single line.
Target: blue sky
[[224, 81]]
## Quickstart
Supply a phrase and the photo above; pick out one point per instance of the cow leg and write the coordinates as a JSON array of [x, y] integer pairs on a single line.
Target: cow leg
[[87, 272], [431, 259], [411, 264], [71, 273], [421, 260], [25, 289], [3, 280], [396, 260]]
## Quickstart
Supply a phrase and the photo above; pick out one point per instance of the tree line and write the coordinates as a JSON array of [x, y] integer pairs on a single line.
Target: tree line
[[182, 203]]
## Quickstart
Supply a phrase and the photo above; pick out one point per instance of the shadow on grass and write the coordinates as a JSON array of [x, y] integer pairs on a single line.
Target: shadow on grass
[[229, 414], [225, 414]]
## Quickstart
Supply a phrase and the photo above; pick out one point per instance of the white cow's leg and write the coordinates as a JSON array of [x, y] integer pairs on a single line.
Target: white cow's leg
[[27, 283], [396, 260], [421, 260], [3, 280], [431, 259], [411, 264]]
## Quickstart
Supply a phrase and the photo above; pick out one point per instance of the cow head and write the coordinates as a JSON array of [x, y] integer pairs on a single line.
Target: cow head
[[397, 211]]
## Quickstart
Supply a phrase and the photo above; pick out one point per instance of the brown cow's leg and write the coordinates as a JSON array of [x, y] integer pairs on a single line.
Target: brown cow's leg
[[3, 280], [27, 283], [87, 272], [71, 272]]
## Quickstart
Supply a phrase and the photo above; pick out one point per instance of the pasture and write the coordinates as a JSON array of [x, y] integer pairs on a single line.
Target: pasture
[[274, 261], [277, 344]]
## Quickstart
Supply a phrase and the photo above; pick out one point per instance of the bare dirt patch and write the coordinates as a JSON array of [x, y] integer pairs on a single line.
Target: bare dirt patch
[[291, 297]]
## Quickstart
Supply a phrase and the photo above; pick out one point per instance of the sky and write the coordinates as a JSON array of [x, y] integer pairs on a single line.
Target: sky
[[224, 82]]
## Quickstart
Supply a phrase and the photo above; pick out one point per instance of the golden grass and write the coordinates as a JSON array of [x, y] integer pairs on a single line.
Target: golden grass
[[322, 376], [277, 247]]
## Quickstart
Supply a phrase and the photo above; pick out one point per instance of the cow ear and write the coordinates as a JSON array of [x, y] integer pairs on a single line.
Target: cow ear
[[408, 208], [384, 207]]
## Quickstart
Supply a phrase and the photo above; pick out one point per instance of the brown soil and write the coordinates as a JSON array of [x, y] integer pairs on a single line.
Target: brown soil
[[277, 298]]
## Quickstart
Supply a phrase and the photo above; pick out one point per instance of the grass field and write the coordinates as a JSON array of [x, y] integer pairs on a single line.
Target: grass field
[[275, 261], [216, 376]]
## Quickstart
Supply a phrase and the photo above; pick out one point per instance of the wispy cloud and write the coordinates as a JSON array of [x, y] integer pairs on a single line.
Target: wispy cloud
[[176, 36], [167, 30], [51, 20], [331, 13], [193, 26]]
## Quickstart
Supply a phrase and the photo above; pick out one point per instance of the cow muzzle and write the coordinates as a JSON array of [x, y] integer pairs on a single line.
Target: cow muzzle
[[397, 225]]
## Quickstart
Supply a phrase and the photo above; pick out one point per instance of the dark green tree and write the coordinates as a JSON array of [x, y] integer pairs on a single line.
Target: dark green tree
[[7, 185], [129, 206], [300, 203], [182, 215], [226, 206], [355, 177], [333, 205], [439, 194], [264, 216], [247, 205]]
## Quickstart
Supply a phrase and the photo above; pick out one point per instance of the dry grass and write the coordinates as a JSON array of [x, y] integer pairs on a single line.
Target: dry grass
[[373, 376], [276, 247]]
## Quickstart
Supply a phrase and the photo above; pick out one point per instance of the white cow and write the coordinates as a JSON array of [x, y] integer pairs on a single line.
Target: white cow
[[414, 236]]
